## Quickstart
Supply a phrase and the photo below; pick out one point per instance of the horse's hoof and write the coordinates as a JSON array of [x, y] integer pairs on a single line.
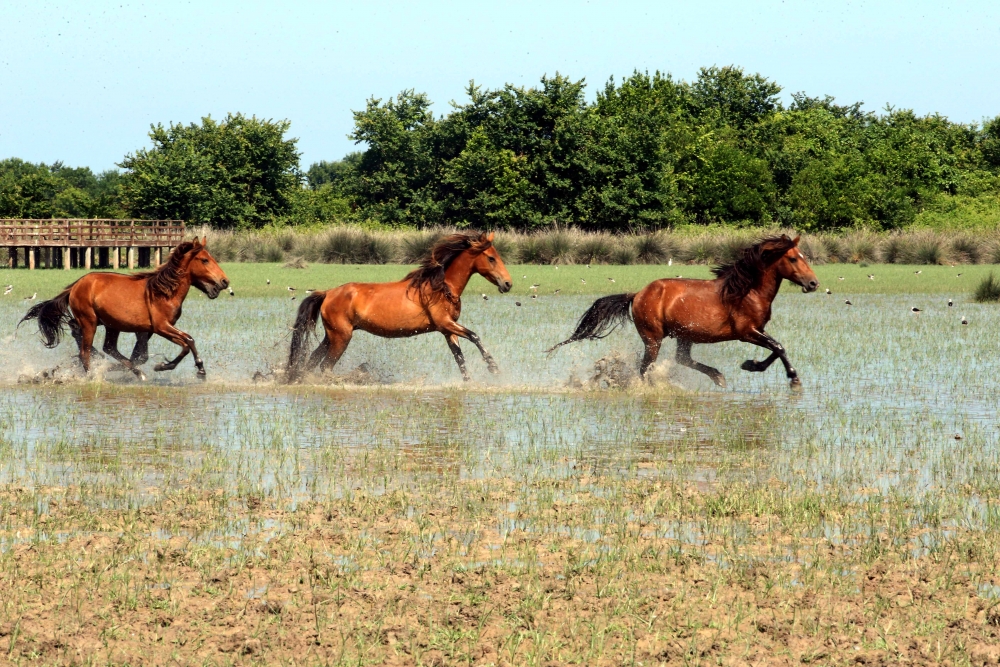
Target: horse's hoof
[[720, 380], [495, 369], [141, 376], [795, 383], [161, 367], [750, 365]]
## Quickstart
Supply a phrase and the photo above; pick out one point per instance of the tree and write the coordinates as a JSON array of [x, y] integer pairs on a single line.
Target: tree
[[240, 172]]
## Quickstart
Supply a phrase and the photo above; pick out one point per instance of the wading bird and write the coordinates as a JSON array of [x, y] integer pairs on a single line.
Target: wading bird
[[848, 302], [143, 303], [734, 306], [427, 299], [915, 310]]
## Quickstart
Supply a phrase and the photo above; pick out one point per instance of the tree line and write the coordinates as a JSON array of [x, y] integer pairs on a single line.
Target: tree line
[[649, 152]]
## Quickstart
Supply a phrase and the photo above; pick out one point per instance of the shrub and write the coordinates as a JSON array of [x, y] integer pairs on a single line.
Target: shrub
[[988, 290], [654, 248], [861, 247], [967, 249], [595, 249]]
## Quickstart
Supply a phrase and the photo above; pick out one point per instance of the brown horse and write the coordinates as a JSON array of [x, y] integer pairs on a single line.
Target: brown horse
[[426, 300], [734, 306], [144, 303]]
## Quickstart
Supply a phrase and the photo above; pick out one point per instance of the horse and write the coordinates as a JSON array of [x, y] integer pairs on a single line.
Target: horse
[[143, 303], [736, 305], [428, 299]]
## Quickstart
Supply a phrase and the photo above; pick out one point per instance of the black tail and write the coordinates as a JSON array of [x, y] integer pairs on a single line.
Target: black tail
[[51, 316], [305, 323], [607, 314]]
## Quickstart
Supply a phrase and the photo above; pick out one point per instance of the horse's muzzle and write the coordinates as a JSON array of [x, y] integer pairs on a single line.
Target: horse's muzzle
[[504, 286], [810, 286]]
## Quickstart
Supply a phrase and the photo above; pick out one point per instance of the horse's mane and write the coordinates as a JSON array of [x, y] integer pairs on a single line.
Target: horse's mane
[[740, 276], [441, 255], [164, 280]]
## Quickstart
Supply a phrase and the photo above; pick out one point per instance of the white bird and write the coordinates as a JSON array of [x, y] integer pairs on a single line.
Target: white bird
[[8, 290], [524, 277], [964, 321], [534, 296], [557, 291], [917, 273], [583, 281], [291, 289], [611, 280], [486, 298], [828, 291], [871, 276], [534, 287], [848, 302], [310, 291], [557, 268], [32, 297], [914, 310], [231, 292], [670, 262], [840, 277], [950, 304], [268, 281]]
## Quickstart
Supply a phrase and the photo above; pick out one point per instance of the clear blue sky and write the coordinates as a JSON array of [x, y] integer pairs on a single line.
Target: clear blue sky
[[82, 81]]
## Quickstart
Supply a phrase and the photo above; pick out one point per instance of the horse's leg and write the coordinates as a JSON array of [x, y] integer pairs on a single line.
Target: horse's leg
[[317, 356], [683, 357], [453, 328], [339, 339], [182, 340], [652, 341], [762, 339], [111, 349], [140, 353], [456, 350], [87, 330]]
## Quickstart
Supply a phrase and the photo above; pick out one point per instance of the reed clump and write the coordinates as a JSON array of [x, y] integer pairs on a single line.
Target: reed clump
[[356, 245], [988, 290]]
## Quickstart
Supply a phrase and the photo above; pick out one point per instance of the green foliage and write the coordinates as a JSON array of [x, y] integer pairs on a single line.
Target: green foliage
[[240, 172], [39, 191], [652, 152]]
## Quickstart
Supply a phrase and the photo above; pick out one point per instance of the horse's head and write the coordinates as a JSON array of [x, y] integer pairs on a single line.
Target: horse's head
[[489, 265], [205, 272], [793, 267]]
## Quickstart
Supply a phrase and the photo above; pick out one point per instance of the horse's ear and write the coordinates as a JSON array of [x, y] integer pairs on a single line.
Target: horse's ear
[[204, 241], [795, 241], [489, 237]]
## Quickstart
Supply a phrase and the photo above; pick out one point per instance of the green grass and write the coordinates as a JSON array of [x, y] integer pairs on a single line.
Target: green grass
[[250, 280]]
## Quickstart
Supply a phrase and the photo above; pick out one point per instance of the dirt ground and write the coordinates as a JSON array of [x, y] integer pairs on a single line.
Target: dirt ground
[[367, 580]]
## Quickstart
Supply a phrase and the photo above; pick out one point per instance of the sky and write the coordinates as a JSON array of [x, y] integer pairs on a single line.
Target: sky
[[82, 81]]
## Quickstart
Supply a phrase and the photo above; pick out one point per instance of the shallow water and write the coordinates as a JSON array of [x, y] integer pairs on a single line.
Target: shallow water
[[884, 394]]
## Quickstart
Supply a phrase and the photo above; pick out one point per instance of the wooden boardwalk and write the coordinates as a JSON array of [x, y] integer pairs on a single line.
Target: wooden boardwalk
[[86, 243]]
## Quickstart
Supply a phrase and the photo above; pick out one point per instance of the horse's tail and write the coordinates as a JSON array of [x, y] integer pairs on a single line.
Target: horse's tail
[[51, 316], [305, 323], [604, 316]]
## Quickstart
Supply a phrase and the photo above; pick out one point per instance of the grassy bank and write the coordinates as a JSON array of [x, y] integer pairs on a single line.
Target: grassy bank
[[250, 280]]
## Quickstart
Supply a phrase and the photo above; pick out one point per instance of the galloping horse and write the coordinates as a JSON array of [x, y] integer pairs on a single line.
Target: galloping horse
[[734, 306], [143, 303], [428, 299]]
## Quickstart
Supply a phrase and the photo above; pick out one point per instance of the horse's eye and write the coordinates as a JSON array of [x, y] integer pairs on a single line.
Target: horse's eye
[[793, 259], [492, 261], [204, 261]]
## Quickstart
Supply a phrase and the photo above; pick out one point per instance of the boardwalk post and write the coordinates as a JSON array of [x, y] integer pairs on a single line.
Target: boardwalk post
[[131, 257], [87, 252], [12, 258], [31, 252], [114, 257], [66, 262], [156, 259]]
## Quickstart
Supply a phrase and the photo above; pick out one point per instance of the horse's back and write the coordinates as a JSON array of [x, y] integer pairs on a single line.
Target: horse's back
[[115, 300], [683, 308], [385, 309]]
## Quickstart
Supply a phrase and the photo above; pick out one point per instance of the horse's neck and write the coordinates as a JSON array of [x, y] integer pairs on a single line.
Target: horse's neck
[[183, 282], [770, 283], [458, 273]]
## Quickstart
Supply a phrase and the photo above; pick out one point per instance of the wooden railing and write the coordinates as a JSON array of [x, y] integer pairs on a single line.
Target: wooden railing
[[87, 233]]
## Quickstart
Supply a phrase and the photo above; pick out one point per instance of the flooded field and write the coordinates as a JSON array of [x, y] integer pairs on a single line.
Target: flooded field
[[559, 512]]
